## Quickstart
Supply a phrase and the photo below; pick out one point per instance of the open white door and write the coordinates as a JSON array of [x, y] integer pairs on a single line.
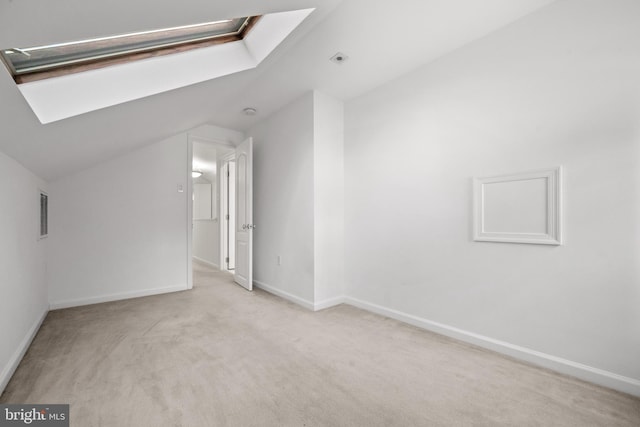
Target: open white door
[[244, 215]]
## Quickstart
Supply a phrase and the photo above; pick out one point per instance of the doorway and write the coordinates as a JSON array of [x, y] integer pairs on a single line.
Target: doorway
[[208, 203], [219, 210]]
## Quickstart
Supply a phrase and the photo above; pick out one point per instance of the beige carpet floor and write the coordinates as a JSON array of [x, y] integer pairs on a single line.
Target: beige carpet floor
[[221, 356]]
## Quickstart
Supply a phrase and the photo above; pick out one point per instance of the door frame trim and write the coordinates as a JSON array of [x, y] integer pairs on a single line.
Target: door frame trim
[[224, 159], [189, 219]]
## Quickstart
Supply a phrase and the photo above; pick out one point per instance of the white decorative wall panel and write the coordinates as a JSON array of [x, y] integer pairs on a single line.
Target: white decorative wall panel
[[519, 208]]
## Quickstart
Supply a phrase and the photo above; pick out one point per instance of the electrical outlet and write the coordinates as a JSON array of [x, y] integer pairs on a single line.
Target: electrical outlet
[[279, 260]]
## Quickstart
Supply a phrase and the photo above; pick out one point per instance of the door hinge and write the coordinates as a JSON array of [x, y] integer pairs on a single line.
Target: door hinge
[[226, 260], [227, 217]]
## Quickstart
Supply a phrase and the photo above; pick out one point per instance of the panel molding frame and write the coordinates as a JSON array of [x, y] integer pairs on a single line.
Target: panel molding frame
[[553, 236]]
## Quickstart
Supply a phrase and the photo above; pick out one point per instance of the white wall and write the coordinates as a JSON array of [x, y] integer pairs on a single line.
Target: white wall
[[217, 134], [118, 230], [206, 241], [283, 180], [328, 158], [299, 201], [23, 301], [560, 87]]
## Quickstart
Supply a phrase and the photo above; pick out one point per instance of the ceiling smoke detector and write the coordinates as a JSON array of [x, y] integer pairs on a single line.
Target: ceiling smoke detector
[[249, 111], [339, 58]]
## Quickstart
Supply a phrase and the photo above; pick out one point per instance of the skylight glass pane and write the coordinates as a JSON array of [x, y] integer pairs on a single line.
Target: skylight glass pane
[[41, 58]]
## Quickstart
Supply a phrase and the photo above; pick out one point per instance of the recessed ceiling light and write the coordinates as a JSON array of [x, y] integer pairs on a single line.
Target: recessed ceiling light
[[249, 111], [196, 174], [339, 58]]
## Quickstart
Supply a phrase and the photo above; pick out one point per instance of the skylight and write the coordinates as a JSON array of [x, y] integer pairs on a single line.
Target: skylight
[[68, 79], [40, 62]]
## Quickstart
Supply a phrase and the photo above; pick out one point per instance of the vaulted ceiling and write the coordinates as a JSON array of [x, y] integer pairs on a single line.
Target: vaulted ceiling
[[383, 40]]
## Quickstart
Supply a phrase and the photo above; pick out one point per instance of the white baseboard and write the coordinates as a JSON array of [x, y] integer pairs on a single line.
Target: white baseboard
[[331, 302], [55, 305], [286, 295], [10, 368], [558, 364], [209, 263]]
